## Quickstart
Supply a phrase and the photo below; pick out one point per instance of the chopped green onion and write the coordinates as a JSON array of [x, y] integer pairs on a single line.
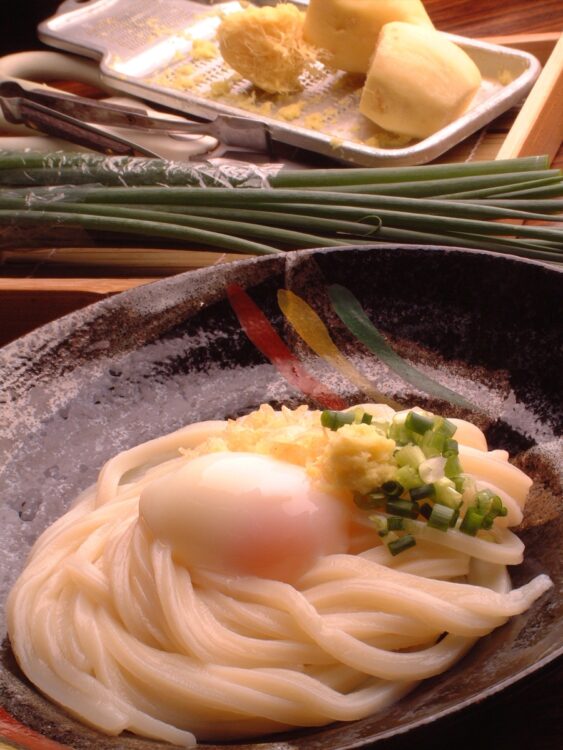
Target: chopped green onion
[[404, 508], [444, 426], [433, 443], [395, 523], [400, 545], [418, 422], [380, 523], [465, 485], [451, 448], [446, 493], [499, 511], [422, 492], [472, 521], [441, 517], [483, 500], [410, 455], [452, 467], [425, 510], [398, 432], [491, 505], [336, 419], [488, 522], [459, 483], [392, 488], [408, 477], [375, 499], [432, 469]]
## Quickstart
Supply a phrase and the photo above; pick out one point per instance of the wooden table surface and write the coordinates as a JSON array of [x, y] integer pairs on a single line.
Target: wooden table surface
[[467, 17], [527, 716], [489, 18]]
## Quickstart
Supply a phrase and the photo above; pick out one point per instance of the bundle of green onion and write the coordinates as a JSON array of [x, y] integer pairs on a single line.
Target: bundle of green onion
[[477, 204], [430, 489]]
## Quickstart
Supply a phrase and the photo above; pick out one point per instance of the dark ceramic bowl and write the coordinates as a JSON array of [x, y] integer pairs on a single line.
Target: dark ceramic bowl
[[145, 362]]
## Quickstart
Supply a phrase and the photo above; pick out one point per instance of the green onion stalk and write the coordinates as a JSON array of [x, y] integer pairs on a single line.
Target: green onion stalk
[[484, 205]]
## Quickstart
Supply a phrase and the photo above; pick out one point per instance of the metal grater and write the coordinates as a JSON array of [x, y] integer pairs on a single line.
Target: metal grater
[[146, 48]]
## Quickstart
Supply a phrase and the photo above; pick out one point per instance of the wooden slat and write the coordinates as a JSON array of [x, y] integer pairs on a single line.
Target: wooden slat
[[484, 18], [28, 303], [541, 44], [120, 261], [538, 129], [93, 287]]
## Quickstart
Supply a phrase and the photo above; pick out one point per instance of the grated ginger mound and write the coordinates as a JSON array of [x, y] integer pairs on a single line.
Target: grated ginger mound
[[295, 436], [355, 458], [203, 49], [291, 111], [265, 45]]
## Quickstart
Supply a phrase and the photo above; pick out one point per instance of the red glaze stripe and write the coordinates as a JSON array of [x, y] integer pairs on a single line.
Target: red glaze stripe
[[259, 330], [13, 730]]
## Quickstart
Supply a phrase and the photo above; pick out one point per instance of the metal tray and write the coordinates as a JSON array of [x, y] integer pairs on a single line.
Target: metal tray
[[146, 48]]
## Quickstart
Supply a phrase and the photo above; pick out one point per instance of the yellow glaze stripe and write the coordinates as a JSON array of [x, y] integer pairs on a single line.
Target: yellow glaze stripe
[[314, 333]]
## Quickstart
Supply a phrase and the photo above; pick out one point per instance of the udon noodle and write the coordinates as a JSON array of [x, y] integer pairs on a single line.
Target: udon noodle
[[138, 611]]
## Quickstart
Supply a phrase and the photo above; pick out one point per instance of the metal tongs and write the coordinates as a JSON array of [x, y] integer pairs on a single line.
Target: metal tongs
[[75, 118]]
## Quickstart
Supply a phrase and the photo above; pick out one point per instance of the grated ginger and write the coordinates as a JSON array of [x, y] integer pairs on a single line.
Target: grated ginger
[[356, 458], [265, 45], [203, 49], [220, 88], [314, 121], [336, 143], [290, 111], [505, 77]]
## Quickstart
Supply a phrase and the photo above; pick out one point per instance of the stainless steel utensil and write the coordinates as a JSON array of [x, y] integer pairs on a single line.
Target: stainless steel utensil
[[75, 118]]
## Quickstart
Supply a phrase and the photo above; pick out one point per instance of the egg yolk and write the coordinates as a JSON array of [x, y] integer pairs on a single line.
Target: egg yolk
[[245, 514]]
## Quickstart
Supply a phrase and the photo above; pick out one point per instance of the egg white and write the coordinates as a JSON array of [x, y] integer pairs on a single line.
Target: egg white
[[245, 514]]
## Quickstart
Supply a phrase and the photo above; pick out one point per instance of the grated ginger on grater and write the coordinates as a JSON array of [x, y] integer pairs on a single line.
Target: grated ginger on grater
[[203, 49], [265, 45]]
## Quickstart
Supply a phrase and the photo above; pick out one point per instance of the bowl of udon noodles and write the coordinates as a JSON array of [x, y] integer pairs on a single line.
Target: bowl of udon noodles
[[311, 500]]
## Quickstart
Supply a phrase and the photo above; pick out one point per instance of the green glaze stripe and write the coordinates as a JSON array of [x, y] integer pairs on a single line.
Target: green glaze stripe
[[351, 313]]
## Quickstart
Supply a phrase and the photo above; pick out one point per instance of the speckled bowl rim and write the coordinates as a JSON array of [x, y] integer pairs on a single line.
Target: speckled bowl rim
[[30, 343]]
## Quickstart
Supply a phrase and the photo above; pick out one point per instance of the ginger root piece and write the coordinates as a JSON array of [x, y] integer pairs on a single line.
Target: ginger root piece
[[348, 29], [418, 81], [265, 45]]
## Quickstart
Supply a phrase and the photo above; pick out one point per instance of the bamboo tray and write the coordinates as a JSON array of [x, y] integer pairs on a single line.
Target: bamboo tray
[[36, 292]]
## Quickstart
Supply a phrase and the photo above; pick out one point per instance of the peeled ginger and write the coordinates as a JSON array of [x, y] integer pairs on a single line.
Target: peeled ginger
[[418, 81], [265, 45], [348, 29]]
